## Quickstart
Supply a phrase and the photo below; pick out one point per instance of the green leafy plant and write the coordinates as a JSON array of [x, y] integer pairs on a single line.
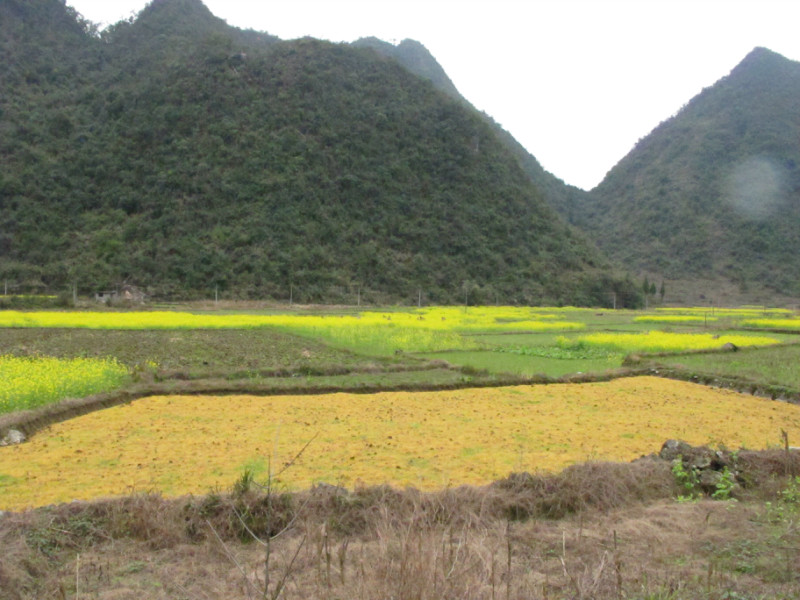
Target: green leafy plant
[[724, 487], [791, 493], [687, 479]]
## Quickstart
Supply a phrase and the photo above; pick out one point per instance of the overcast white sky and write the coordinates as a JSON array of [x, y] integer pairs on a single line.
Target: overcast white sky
[[577, 82]]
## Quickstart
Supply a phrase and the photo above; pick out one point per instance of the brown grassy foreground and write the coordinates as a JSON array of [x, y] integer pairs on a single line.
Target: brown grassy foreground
[[597, 530]]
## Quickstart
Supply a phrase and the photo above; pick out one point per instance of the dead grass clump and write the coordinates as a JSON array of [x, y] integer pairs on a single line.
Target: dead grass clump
[[623, 536], [358, 512], [146, 517], [768, 463], [763, 473], [594, 485], [238, 516], [351, 513]]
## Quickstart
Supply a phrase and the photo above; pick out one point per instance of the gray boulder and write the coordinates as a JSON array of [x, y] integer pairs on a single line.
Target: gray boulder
[[672, 449], [12, 437]]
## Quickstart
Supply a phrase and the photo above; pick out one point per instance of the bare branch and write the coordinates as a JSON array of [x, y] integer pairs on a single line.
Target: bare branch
[[232, 558]]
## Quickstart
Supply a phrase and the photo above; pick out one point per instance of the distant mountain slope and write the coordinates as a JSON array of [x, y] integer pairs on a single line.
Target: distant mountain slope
[[416, 58], [566, 199], [184, 155], [715, 190]]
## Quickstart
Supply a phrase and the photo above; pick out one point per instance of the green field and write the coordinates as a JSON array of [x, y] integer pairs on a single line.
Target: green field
[[196, 350], [773, 365], [527, 366]]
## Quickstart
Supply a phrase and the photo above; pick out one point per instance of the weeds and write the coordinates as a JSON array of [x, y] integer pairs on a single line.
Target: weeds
[[688, 480], [725, 485], [790, 495]]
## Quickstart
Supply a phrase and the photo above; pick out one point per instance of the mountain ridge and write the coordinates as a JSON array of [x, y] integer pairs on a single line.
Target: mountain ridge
[[184, 161], [711, 192]]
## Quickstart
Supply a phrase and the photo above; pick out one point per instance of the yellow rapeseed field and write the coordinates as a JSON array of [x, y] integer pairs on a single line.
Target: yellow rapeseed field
[[31, 382], [435, 318], [383, 333], [189, 444], [664, 341], [743, 311], [676, 319], [793, 324]]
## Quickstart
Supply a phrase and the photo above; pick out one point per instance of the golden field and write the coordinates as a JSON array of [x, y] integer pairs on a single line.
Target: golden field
[[194, 444]]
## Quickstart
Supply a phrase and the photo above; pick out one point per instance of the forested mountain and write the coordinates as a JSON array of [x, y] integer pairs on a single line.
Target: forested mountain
[[713, 192], [174, 152], [415, 57]]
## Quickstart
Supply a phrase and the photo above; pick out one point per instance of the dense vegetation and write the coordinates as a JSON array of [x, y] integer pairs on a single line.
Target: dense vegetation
[[182, 155], [713, 191]]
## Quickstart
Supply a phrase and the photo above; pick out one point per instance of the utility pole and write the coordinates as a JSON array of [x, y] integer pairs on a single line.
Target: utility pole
[[419, 298]]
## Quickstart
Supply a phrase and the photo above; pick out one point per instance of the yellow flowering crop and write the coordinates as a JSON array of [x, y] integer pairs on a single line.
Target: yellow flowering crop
[[742, 312], [673, 319], [660, 341], [31, 382], [188, 444], [793, 324], [423, 330]]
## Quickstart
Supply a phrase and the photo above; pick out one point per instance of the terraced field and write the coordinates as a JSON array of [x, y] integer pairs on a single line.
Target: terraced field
[[430, 440]]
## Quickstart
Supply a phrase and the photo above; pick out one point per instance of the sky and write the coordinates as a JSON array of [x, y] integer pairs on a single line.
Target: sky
[[577, 82]]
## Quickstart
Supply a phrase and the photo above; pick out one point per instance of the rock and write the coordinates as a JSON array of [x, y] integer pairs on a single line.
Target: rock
[[672, 449], [708, 480], [730, 347], [333, 490], [12, 437], [700, 458]]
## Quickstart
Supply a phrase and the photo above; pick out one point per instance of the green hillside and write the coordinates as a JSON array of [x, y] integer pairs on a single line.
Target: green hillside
[[566, 199], [182, 155], [713, 192]]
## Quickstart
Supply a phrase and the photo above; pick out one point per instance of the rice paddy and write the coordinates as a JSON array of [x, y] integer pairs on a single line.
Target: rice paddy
[[431, 440]]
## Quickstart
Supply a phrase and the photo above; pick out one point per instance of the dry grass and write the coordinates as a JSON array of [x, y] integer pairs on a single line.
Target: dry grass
[[601, 531]]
